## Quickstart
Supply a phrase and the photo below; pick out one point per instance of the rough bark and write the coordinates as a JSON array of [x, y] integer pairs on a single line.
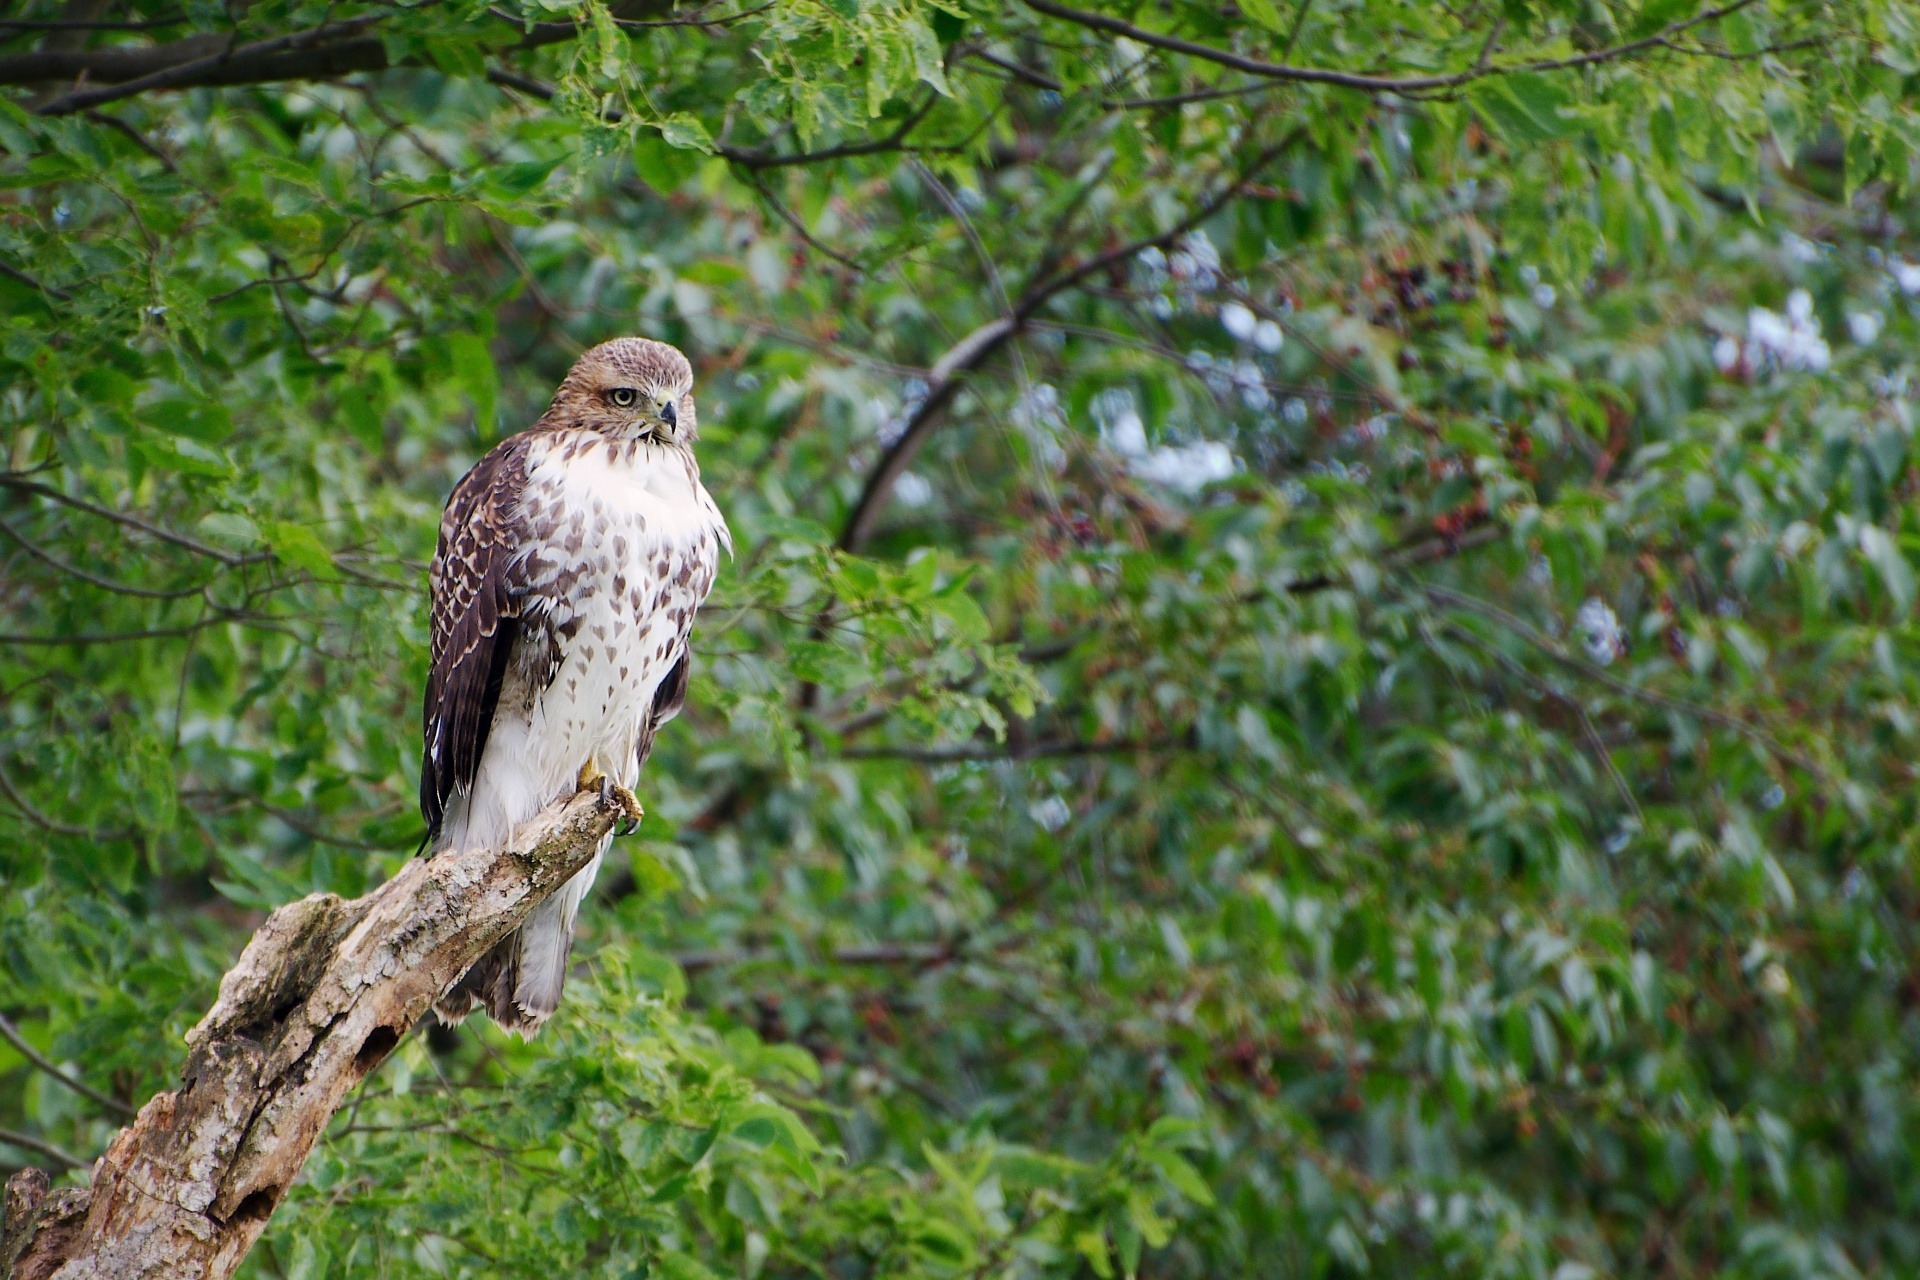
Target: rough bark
[[323, 992]]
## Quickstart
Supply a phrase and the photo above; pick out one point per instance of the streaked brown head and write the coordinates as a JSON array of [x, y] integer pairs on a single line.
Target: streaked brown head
[[628, 389]]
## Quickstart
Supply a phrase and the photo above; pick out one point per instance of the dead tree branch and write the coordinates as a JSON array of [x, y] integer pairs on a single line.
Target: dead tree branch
[[322, 993]]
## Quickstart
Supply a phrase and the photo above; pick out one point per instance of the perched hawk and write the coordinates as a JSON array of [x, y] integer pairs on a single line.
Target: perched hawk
[[571, 561]]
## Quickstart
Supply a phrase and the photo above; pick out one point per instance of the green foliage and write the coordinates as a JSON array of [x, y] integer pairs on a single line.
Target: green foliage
[[1373, 734]]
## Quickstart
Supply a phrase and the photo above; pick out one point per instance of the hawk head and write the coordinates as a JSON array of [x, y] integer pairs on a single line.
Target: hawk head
[[629, 389]]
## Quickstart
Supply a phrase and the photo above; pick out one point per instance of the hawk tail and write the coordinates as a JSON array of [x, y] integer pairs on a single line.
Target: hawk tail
[[519, 981]]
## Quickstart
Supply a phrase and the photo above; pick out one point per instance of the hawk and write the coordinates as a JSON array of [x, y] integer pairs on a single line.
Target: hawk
[[570, 563]]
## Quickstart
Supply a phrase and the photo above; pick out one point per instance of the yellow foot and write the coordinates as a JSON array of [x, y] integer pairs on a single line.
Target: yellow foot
[[626, 802], [615, 796]]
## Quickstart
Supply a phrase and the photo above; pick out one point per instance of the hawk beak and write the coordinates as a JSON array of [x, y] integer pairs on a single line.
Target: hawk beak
[[670, 414]]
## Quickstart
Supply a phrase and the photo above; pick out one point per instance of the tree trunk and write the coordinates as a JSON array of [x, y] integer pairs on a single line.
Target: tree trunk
[[323, 992]]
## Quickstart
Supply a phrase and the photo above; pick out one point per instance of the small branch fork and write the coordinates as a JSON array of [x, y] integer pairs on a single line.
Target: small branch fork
[[971, 352], [323, 992]]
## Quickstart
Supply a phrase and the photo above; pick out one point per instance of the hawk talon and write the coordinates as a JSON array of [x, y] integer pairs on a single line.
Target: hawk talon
[[615, 796]]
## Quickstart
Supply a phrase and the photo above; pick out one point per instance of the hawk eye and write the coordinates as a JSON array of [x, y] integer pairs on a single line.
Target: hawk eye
[[623, 397]]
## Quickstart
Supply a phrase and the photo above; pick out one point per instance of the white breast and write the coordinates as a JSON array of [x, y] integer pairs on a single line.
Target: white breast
[[624, 545]]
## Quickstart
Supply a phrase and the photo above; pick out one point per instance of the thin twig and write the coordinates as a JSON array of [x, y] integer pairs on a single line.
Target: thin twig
[[13, 1037], [15, 480], [1447, 598], [58, 24], [1567, 700], [185, 73], [1370, 83], [105, 584], [59, 828], [798, 227], [973, 350], [1019, 750], [134, 136], [65, 1159], [15, 273]]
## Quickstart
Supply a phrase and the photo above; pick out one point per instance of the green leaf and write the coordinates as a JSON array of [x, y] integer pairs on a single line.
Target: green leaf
[[1883, 553], [1091, 1244], [1184, 1177], [714, 272], [686, 132], [1655, 15], [298, 546], [1266, 13], [969, 623], [510, 181], [1525, 107], [474, 371], [207, 421], [660, 164]]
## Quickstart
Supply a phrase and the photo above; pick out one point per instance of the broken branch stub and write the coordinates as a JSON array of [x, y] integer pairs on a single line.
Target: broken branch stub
[[321, 994]]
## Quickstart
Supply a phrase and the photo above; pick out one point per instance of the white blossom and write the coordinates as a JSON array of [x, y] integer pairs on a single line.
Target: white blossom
[[912, 489], [1050, 814], [1237, 320], [1186, 468], [1600, 633], [1791, 341]]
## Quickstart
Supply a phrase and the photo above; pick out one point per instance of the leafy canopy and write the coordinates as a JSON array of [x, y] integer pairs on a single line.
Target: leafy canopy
[[1320, 675]]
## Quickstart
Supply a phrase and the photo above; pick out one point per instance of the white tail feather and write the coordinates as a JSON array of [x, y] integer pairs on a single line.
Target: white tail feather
[[545, 942]]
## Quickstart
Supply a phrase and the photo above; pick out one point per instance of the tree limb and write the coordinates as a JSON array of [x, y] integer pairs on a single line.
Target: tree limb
[[40, 1146], [323, 992], [218, 59], [1481, 70], [972, 351], [12, 1035]]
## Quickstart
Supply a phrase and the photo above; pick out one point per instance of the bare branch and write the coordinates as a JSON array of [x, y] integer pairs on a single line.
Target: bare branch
[[45, 823], [1020, 72], [15, 273], [57, 24], [13, 1037], [218, 59], [972, 351], [105, 584], [1370, 83], [328, 40], [321, 995], [15, 480], [894, 141], [40, 1146]]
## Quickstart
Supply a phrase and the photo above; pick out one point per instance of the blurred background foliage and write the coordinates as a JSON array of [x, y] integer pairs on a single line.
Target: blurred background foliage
[[1320, 676]]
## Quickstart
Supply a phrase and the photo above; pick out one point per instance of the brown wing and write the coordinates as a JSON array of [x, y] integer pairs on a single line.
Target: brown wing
[[668, 698], [475, 622]]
